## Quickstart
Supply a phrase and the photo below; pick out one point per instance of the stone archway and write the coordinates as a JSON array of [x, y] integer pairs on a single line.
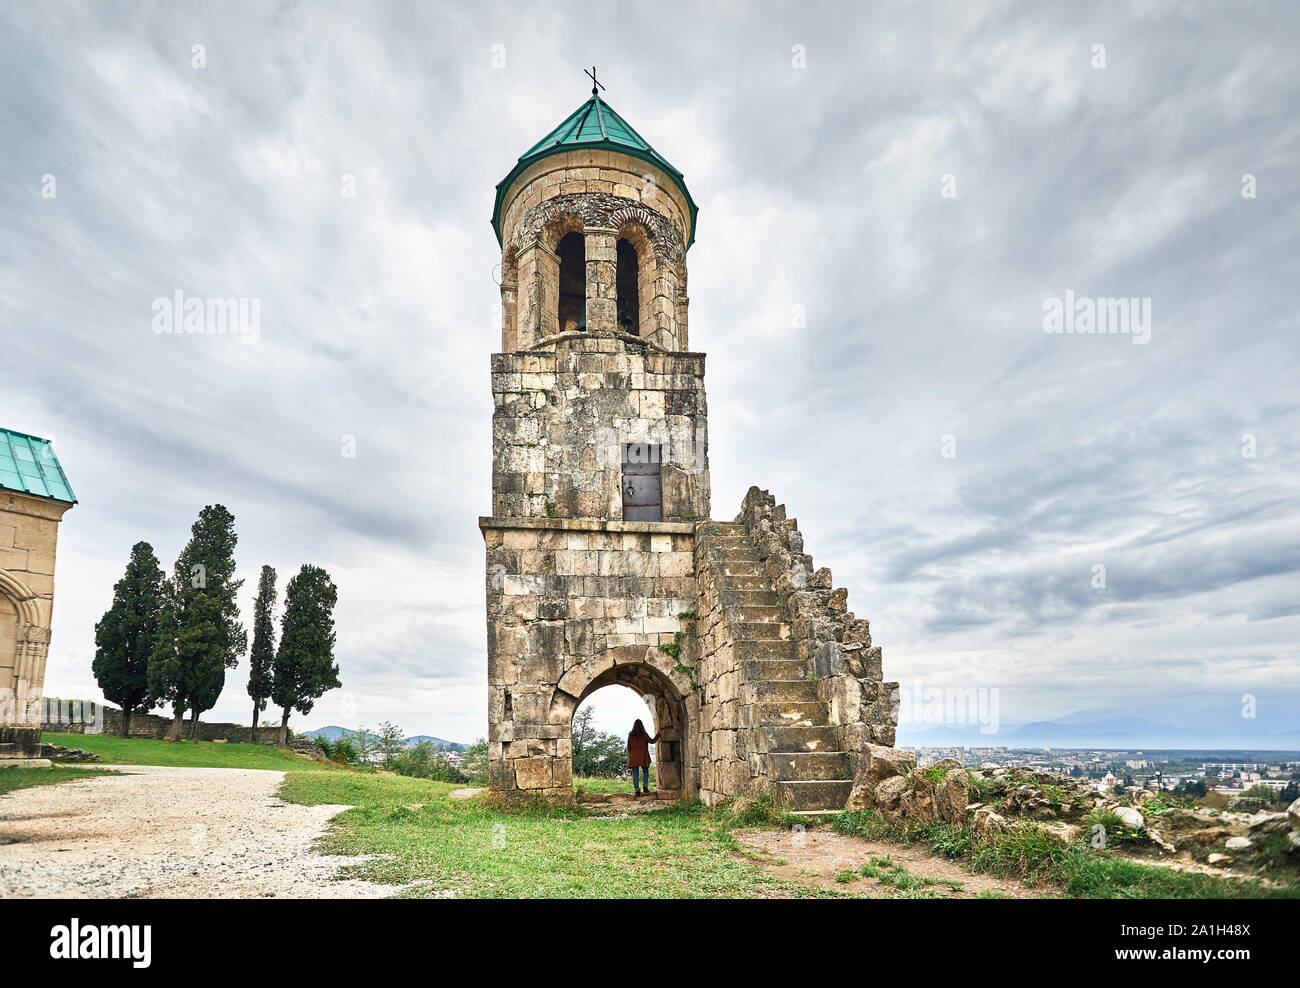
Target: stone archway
[[651, 674]]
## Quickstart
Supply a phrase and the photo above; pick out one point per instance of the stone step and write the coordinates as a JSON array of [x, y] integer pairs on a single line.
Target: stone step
[[759, 631], [811, 714], [770, 650], [755, 613], [794, 739], [743, 581], [776, 670], [725, 528], [734, 549], [779, 691], [728, 541], [749, 598], [814, 795], [741, 567], [805, 766]]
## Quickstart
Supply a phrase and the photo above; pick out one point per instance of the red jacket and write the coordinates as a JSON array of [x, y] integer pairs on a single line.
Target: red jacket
[[638, 750]]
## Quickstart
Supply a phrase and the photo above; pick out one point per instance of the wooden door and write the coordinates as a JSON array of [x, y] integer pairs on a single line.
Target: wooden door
[[642, 492]]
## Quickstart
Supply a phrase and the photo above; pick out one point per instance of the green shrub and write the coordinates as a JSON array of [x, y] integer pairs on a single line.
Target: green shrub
[[344, 751]]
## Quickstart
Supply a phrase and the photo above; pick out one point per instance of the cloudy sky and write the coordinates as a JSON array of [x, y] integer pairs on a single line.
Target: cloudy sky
[[888, 199]]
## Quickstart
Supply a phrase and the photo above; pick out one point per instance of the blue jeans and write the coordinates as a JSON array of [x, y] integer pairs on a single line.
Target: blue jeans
[[645, 776]]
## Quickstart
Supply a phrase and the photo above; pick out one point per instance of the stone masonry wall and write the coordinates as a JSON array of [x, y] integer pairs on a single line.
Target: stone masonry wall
[[28, 539], [574, 605], [725, 741], [563, 414]]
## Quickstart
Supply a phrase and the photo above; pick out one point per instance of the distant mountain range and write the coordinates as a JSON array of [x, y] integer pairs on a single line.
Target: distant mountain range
[[1275, 727], [333, 733]]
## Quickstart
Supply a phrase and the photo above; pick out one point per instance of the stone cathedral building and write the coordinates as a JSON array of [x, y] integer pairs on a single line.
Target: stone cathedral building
[[603, 563], [34, 496]]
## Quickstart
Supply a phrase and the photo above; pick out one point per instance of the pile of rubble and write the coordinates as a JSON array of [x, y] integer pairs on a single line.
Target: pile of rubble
[[887, 780], [58, 753]]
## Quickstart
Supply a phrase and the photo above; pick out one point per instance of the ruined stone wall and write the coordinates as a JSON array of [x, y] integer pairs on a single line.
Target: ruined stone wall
[[574, 605], [562, 415], [725, 741], [28, 538], [861, 706]]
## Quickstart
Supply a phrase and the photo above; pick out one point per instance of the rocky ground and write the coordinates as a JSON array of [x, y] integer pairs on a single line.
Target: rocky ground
[[1241, 838], [168, 833]]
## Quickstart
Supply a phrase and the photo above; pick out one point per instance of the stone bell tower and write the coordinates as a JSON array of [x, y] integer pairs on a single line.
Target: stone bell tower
[[602, 565], [599, 445]]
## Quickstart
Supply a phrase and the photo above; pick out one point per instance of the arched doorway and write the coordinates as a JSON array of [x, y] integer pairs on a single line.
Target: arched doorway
[[599, 734], [669, 700]]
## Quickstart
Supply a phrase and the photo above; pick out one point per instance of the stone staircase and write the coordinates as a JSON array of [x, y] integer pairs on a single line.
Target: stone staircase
[[793, 742]]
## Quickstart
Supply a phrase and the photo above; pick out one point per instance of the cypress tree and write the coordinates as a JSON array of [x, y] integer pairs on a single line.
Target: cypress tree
[[126, 634], [261, 658], [200, 636], [304, 664]]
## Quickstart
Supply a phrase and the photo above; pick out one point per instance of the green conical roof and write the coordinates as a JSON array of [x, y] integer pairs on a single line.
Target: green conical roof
[[596, 126]]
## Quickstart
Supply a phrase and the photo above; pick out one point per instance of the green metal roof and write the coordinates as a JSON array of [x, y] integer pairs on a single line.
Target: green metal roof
[[28, 464], [594, 126]]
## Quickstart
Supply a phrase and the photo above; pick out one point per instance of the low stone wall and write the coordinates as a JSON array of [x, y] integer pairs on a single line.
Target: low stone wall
[[87, 717]]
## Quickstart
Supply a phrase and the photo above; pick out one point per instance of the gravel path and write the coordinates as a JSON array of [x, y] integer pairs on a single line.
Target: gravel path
[[159, 833]]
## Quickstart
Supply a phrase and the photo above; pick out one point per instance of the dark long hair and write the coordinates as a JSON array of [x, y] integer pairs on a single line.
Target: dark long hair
[[638, 731]]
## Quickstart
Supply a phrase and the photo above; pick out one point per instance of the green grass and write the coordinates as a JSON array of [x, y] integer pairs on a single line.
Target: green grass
[[590, 783], [471, 849], [1078, 869], [194, 754], [25, 778]]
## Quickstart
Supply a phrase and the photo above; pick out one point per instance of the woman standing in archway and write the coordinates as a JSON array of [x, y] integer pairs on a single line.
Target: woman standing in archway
[[638, 755]]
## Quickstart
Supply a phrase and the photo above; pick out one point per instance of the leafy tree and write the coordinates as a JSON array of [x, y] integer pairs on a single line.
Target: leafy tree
[[126, 634], [1261, 791], [199, 634], [392, 741], [304, 666], [261, 657], [596, 753], [364, 743], [474, 760]]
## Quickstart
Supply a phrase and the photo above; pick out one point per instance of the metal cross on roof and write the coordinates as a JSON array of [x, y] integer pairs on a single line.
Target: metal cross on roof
[[594, 81]]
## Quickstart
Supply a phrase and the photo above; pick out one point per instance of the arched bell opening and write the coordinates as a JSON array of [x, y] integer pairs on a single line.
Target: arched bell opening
[[571, 313]]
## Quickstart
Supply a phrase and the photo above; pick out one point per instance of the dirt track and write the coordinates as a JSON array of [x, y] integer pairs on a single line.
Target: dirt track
[[168, 833]]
